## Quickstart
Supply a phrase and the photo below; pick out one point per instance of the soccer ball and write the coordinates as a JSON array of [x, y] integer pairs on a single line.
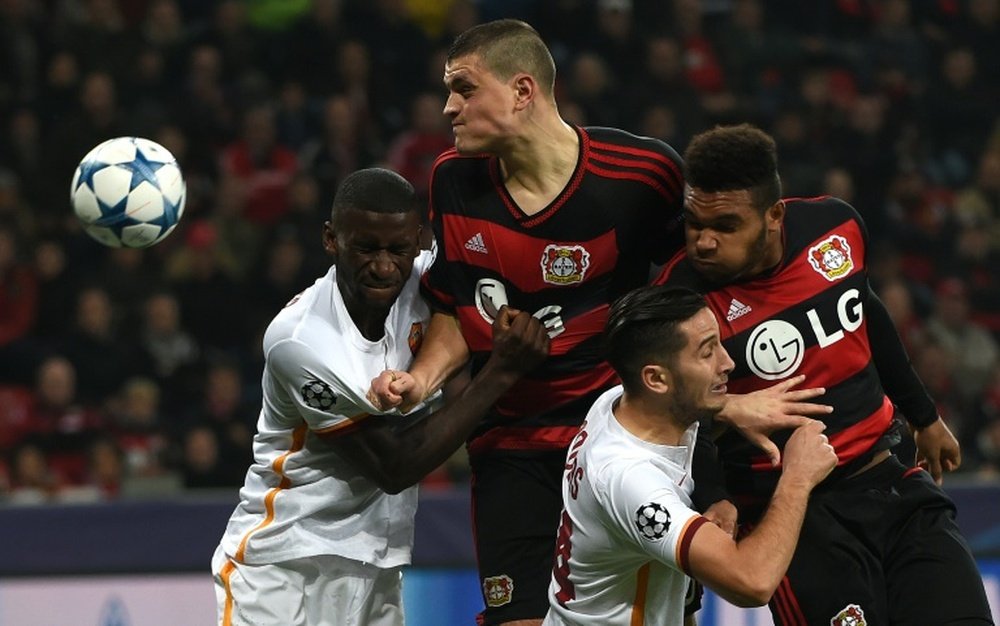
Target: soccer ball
[[128, 191]]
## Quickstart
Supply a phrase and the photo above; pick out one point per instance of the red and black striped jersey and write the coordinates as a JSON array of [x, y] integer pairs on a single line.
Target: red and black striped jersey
[[619, 213], [806, 316]]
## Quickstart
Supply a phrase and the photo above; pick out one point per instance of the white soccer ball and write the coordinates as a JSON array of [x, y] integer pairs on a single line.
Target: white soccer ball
[[128, 191]]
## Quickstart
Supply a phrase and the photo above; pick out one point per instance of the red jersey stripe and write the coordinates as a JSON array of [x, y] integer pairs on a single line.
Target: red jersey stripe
[[648, 154], [479, 335], [684, 544], [642, 178], [645, 165]]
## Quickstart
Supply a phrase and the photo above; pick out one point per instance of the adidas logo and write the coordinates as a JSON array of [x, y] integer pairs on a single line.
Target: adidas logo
[[476, 244], [737, 309]]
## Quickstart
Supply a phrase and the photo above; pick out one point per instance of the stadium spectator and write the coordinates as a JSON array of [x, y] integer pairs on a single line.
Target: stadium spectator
[[263, 164], [973, 351], [18, 305]]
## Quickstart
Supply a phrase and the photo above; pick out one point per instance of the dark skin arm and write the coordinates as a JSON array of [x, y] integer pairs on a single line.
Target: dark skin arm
[[395, 458]]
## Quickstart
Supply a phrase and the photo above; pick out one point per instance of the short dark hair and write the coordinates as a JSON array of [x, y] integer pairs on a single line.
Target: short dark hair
[[731, 158], [642, 329], [507, 47], [374, 189]]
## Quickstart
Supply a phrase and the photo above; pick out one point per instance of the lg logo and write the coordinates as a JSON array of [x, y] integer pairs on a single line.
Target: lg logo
[[775, 348], [491, 295]]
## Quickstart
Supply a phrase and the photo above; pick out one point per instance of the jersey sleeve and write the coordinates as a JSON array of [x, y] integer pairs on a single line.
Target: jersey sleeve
[[645, 505], [435, 284], [666, 219], [895, 371], [320, 397]]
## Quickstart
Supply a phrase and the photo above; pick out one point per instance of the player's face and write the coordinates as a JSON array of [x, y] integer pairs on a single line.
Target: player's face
[[480, 106], [700, 370], [374, 254], [727, 237]]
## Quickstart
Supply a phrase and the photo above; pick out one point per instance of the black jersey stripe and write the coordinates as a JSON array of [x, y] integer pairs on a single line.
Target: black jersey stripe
[[636, 176], [632, 164], [671, 166]]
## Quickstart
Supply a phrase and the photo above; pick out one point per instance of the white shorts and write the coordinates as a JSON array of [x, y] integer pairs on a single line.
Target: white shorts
[[315, 591]]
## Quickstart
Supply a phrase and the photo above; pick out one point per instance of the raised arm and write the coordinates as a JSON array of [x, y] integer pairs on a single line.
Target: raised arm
[[747, 572], [395, 458]]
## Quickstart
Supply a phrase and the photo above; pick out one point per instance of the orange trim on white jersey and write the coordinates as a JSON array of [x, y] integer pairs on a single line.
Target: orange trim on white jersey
[[278, 466], [225, 574], [639, 604], [684, 539], [347, 423]]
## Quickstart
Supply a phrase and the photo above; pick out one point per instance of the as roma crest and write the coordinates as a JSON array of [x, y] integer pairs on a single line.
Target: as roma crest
[[416, 336], [564, 265], [832, 258]]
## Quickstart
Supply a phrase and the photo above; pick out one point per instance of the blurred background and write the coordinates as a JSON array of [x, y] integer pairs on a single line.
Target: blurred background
[[129, 379]]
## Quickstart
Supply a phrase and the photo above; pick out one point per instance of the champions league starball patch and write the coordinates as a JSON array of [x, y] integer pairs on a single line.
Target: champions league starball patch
[[318, 395], [652, 520]]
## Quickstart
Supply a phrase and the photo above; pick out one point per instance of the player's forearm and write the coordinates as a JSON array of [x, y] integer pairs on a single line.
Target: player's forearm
[[442, 353], [895, 371], [763, 556], [426, 445]]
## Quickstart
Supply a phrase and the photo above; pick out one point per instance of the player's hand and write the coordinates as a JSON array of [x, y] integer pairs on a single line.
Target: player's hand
[[937, 449], [723, 514], [756, 415], [808, 454], [520, 341], [395, 389]]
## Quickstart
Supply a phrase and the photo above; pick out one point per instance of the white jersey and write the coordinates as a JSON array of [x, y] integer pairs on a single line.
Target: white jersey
[[300, 497], [627, 525]]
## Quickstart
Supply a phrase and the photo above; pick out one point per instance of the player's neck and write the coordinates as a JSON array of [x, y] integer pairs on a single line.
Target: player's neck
[[647, 420], [370, 322], [541, 161]]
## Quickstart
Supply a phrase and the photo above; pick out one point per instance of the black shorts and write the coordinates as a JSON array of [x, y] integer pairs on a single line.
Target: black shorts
[[881, 548], [516, 503]]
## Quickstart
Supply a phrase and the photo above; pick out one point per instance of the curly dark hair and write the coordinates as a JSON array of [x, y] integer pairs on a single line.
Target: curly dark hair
[[730, 158]]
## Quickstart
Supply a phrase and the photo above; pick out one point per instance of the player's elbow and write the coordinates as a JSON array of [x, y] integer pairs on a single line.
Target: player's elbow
[[393, 482], [749, 591], [393, 487]]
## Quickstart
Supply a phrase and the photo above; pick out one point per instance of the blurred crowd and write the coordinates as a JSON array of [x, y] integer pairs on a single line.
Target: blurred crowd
[[137, 371]]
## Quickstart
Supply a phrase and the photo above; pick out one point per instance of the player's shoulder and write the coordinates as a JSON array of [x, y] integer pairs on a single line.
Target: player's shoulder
[[821, 210], [678, 272], [450, 164], [604, 138], [303, 316]]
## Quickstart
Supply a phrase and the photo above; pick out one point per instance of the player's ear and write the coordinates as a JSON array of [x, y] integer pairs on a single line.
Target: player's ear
[[775, 215], [525, 91], [329, 239], [656, 378]]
